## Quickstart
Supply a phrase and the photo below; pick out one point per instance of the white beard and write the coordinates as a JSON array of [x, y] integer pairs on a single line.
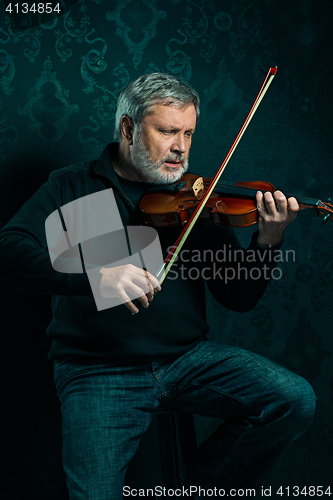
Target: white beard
[[150, 170]]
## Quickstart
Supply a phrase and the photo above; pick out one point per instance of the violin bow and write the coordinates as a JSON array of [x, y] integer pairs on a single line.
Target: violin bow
[[190, 223]]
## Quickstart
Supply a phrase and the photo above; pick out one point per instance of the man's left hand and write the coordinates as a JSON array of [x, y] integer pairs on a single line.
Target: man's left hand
[[275, 214]]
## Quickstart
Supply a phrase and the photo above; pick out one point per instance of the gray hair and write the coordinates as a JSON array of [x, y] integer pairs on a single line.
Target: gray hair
[[136, 100]]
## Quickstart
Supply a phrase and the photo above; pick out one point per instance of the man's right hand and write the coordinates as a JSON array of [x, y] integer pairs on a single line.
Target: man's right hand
[[125, 281]]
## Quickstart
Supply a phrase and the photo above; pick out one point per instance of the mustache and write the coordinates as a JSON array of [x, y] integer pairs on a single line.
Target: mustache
[[173, 158]]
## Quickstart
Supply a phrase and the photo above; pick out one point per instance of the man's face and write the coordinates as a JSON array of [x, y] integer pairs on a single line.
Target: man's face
[[160, 152]]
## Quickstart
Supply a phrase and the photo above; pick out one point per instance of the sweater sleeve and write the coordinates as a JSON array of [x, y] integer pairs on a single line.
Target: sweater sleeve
[[25, 264], [240, 276]]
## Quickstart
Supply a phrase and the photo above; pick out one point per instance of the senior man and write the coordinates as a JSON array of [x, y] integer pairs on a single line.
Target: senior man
[[113, 369]]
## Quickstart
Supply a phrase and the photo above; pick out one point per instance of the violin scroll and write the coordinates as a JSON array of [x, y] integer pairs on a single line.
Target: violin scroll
[[324, 210]]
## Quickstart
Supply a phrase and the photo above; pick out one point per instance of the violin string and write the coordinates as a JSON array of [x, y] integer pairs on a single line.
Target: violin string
[[323, 205], [233, 189]]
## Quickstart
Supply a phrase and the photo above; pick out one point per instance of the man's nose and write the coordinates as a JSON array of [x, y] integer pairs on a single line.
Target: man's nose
[[179, 144]]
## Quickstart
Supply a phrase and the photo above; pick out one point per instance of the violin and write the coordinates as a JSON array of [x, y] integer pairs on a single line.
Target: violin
[[232, 205]]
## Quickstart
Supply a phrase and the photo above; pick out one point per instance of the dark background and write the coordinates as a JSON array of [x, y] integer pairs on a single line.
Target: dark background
[[60, 77]]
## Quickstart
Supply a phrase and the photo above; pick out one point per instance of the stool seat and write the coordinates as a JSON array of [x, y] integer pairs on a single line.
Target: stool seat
[[177, 442]]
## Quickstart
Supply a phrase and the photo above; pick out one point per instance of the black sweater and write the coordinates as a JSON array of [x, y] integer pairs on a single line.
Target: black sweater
[[175, 320]]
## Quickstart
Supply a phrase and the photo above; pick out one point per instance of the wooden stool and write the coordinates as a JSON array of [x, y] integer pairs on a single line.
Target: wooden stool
[[177, 442]]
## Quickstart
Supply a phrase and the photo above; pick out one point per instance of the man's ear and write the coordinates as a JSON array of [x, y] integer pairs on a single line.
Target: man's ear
[[127, 129]]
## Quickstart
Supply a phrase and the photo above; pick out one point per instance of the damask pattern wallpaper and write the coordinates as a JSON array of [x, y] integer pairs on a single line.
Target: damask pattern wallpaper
[[60, 76]]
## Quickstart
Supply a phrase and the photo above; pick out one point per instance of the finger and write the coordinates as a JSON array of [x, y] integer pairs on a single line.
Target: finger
[[150, 281], [281, 203], [136, 293], [154, 281], [154, 285], [150, 292], [128, 303], [139, 293], [269, 204], [265, 205], [259, 197], [260, 204], [131, 307], [144, 300], [141, 282], [293, 206]]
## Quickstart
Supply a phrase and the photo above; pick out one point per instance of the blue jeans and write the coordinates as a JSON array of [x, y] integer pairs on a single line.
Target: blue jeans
[[106, 409]]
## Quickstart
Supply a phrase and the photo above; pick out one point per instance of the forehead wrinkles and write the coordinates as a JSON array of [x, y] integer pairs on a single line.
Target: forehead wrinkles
[[161, 114]]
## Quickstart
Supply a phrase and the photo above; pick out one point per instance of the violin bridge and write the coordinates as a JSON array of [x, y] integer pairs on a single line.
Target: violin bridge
[[198, 188]]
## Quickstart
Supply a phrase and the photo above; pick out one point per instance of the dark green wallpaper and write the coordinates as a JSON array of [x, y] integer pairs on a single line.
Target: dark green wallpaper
[[60, 76]]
